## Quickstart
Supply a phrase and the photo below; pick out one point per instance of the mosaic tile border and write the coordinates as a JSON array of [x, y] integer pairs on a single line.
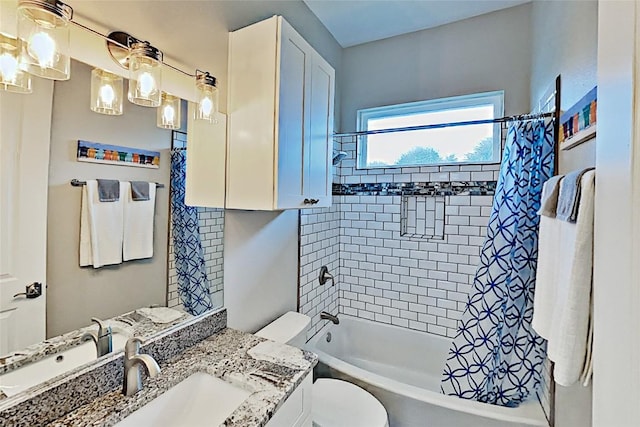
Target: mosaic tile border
[[440, 188]]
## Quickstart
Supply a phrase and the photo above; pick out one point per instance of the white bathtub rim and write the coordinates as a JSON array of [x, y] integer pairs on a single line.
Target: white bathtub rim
[[428, 396]]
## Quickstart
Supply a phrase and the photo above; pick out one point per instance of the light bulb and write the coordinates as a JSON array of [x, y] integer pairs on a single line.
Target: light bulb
[[43, 49], [106, 92], [107, 95], [8, 68], [206, 105], [146, 84], [168, 114]]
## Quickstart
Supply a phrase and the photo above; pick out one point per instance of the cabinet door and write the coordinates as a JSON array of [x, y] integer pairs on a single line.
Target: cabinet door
[[293, 117], [296, 410], [318, 146]]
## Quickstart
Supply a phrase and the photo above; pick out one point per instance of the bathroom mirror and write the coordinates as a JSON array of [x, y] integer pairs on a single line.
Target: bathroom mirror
[[72, 295]]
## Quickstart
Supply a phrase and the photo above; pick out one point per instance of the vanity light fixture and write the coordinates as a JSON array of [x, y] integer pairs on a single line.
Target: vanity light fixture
[[106, 92], [42, 49], [169, 112], [207, 97], [12, 78], [43, 26]]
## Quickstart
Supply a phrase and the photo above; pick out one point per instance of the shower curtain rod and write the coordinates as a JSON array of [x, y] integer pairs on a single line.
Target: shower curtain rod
[[524, 117]]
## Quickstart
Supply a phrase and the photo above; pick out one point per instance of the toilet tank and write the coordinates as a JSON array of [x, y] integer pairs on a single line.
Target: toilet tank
[[290, 328]]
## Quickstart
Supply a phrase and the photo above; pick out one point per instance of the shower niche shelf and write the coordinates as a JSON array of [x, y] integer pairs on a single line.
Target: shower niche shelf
[[422, 217]]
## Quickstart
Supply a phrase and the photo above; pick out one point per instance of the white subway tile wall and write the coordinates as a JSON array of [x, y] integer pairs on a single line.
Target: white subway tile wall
[[319, 245], [413, 283]]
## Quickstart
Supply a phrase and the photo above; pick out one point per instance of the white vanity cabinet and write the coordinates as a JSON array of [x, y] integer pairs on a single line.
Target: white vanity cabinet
[[280, 112], [296, 410]]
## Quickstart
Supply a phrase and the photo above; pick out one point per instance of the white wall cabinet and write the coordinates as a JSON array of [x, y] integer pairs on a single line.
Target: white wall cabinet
[[280, 112]]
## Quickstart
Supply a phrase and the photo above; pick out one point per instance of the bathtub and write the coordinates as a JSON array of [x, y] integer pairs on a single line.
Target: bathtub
[[403, 368]]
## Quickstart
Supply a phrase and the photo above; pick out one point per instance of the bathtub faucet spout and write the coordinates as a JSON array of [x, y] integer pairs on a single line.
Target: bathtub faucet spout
[[326, 316]]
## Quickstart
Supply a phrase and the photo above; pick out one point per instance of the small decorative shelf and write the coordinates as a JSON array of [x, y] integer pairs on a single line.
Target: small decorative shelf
[[578, 124], [582, 136]]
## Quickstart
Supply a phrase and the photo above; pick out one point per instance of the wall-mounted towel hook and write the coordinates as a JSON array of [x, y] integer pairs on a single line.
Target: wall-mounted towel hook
[[325, 276]]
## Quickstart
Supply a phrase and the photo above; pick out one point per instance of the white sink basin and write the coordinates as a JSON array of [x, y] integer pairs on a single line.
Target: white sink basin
[[20, 379], [199, 400]]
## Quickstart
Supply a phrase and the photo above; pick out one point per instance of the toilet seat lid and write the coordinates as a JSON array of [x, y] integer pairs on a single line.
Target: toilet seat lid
[[339, 403]]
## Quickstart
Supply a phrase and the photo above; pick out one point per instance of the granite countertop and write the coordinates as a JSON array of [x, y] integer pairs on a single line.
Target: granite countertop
[[129, 324], [269, 370]]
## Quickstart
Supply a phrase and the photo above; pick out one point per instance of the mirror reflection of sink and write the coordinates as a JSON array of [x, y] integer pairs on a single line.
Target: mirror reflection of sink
[[199, 400], [34, 373]]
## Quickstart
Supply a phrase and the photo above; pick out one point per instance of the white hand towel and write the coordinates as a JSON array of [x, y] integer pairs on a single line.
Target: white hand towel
[[568, 343], [138, 224], [86, 254], [548, 258], [105, 227]]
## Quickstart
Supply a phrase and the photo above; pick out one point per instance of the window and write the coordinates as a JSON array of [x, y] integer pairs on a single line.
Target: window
[[461, 144]]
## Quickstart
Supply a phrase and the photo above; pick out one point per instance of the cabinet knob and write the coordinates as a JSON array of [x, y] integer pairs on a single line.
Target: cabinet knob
[[311, 201]]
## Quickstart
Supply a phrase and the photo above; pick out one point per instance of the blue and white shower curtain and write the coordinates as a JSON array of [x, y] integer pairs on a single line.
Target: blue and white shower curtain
[[193, 284], [496, 356]]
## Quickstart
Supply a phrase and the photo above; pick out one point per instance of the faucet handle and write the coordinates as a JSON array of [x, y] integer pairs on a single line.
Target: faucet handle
[[132, 347], [325, 276], [102, 329]]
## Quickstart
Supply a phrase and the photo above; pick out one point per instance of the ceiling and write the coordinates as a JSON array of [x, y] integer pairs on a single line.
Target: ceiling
[[353, 22]]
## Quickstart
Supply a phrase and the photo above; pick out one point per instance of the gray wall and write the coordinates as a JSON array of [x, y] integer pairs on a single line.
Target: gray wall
[[485, 53], [564, 41], [76, 294]]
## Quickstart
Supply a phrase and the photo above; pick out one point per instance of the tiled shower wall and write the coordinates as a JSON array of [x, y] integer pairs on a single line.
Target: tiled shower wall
[[319, 245], [420, 284], [417, 283]]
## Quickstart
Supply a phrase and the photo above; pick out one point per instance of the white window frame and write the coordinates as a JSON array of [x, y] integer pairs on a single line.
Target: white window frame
[[472, 100]]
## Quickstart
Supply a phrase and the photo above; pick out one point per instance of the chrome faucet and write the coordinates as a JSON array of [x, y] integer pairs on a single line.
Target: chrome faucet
[[133, 360], [326, 316], [102, 339]]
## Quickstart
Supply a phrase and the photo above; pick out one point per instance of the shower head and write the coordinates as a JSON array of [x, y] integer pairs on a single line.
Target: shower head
[[338, 156]]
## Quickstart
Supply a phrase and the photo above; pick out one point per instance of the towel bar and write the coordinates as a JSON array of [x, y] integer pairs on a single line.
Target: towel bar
[[78, 183]]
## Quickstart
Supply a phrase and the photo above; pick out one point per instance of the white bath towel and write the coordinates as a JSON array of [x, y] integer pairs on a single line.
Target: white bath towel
[[138, 224], [101, 228], [569, 335], [549, 256]]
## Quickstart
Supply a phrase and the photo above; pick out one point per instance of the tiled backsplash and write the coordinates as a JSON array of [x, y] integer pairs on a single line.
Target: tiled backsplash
[[211, 235], [319, 245]]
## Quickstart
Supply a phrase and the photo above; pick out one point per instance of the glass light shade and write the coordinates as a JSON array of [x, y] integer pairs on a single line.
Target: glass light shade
[[145, 68], [207, 104], [169, 112], [106, 92], [12, 78], [43, 27]]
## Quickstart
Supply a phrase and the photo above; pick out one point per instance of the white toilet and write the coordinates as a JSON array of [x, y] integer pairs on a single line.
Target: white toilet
[[335, 403]]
